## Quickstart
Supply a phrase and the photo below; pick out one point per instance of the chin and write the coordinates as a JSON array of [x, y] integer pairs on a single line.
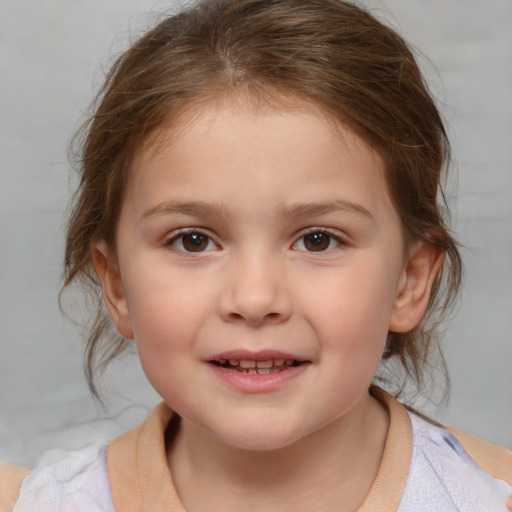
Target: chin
[[266, 438]]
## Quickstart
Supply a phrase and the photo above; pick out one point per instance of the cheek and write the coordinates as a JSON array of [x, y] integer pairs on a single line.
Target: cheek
[[165, 315], [358, 303], [350, 310], [163, 336]]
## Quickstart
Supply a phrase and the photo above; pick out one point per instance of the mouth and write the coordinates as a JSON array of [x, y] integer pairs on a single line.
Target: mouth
[[259, 371], [257, 367]]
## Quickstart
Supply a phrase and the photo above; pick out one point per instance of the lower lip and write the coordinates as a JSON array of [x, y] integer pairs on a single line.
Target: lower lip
[[254, 383]]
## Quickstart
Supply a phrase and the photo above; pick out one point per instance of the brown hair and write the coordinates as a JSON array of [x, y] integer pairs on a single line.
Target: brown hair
[[328, 52]]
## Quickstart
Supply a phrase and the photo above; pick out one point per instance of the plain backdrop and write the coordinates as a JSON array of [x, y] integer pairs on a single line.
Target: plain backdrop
[[53, 54]]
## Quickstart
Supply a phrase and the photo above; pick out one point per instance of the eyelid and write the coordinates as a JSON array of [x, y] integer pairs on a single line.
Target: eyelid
[[335, 233]]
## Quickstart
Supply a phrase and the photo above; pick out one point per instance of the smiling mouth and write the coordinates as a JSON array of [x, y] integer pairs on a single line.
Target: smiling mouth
[[257, 367]]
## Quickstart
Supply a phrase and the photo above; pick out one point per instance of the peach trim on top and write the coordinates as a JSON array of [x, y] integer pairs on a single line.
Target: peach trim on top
[[11, 478], [140, 479], [389, 485], [139, 476]]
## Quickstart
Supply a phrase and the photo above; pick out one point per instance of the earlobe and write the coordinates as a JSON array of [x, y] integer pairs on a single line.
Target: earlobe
[[415, 287], [112, 286]]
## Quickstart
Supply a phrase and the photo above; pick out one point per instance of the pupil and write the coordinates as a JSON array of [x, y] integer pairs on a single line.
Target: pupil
[[317, 241], [195, 242]]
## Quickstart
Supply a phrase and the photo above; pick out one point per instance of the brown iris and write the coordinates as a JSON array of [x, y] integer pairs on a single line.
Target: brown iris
[[317, 241], [195, 242]]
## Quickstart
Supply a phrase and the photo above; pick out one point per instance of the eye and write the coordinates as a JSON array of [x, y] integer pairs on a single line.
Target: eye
[[192, 241], [317, 240]]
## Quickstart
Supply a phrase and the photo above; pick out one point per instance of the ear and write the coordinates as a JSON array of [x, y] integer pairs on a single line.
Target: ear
[[113, 291], [415, 287]]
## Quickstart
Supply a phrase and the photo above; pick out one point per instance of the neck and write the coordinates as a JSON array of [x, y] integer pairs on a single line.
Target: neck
[[331, 469]]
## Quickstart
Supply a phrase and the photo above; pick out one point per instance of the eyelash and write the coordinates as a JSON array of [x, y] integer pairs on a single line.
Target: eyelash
[[178, 239]]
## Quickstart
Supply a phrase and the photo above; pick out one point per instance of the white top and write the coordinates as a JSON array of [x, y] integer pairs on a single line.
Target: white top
[[442, 478], [77, 482]]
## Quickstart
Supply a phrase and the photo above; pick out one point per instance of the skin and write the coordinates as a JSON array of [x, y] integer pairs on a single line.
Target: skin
[[260, 184]]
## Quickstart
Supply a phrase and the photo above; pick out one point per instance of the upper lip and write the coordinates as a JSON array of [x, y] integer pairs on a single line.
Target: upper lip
[[260, 355]]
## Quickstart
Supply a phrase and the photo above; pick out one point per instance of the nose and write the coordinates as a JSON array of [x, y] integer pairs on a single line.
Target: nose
[[255, 292]]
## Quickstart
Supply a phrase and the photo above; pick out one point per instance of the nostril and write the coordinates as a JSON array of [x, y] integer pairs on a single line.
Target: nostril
[[253, 319]]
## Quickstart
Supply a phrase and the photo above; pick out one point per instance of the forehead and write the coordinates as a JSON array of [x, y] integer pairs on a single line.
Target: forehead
[[224, 150], [265, 103]]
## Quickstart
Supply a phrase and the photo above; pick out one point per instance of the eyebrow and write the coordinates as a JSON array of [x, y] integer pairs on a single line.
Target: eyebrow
[[323, 208], [193, 208]]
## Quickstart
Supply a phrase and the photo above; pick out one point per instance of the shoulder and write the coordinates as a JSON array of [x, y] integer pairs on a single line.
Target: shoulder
[[72, 481], [451, 469]]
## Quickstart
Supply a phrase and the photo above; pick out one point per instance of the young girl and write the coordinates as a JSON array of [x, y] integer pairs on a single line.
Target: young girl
[[259, 204]]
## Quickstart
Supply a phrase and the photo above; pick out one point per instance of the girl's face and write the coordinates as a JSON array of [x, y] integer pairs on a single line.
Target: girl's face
[[260, 268]]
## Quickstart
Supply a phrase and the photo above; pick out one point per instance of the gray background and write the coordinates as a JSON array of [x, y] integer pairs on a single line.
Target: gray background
[[53, 54]]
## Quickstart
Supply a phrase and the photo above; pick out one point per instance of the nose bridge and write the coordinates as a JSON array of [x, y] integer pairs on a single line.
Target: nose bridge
[[256, 288]]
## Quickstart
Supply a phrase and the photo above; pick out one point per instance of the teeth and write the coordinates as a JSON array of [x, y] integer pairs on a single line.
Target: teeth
[[260, 367], [265, 364]]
